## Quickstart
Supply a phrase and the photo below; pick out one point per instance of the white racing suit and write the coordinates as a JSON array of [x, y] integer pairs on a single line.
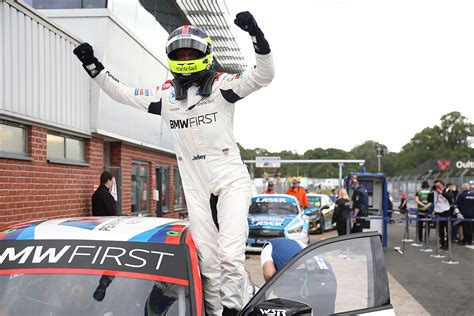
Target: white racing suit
[[210, 164]]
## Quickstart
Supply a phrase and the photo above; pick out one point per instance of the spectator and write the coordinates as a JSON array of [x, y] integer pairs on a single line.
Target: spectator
[[103, 203], [443, 201], [270, 189], [421, 198], [299, 193], [465, 203], [342, 212], [455, 225], [454, 189], [403, 203], [333, 195], [360, 204]]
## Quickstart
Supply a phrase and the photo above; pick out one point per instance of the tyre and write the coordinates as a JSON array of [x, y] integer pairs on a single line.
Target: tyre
[[321, 226]]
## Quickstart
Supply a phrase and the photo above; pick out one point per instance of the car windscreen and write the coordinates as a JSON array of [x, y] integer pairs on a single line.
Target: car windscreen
[[79, 294], [91, 277], [273, 206], [314, 201]]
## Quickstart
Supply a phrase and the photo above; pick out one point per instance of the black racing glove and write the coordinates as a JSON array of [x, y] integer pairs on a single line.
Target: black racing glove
[[85, 53], [246, 22]]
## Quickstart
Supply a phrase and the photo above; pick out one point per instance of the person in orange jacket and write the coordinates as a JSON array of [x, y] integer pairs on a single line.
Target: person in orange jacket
[[299, 193]]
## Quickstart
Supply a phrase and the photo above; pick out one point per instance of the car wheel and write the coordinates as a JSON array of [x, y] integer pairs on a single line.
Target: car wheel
[[321, 226], [312, 227]]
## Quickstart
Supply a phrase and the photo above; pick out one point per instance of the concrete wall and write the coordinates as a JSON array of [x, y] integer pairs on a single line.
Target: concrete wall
[[129, 60]]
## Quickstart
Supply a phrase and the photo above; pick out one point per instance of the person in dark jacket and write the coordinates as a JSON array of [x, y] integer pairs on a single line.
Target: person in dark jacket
[[342, 212], [465, 203], [360, 204], [103, 203]]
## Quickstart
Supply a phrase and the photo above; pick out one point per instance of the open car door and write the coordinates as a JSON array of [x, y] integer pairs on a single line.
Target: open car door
[[345, 275]]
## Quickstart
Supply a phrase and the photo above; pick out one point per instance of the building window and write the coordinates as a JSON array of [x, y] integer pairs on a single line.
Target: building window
[[63, 148], [179, 201], [13, 139], [69, 4], [140, 185], [163, 186]]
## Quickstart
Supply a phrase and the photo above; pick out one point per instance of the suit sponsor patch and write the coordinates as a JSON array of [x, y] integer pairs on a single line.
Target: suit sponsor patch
[[193, 121]]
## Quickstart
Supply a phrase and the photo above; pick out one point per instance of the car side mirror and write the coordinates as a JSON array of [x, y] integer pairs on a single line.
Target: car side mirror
[[282, 307]]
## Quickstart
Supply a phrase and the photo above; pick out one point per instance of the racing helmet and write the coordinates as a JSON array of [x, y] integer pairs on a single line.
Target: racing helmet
[[189, 37]]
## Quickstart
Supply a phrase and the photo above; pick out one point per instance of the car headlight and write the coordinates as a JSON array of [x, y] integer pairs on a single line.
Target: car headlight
[[296, 230]]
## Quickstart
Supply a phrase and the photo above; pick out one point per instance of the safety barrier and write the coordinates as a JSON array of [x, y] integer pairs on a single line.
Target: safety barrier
[[426, 225]]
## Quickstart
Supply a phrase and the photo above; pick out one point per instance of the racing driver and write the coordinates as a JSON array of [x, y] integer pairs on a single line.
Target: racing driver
[[198, 108]]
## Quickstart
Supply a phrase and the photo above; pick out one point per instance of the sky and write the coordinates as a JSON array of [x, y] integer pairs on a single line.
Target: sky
[[351, 71]]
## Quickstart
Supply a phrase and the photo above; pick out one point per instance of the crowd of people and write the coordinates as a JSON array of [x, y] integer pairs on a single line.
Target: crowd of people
[[442, 200]]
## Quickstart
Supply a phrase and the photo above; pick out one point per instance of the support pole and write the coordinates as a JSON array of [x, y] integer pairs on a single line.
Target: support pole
[[450, 257], [437, 255], [425, 236]]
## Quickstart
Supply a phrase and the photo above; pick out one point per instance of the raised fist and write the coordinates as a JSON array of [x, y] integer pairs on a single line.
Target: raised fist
[[246, 22], [85, 53]]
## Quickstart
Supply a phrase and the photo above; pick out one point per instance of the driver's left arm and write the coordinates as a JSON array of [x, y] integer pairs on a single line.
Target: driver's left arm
[[236, 87]]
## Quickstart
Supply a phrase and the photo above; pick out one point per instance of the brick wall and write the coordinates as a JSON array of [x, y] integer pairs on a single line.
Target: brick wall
[[37, 189]]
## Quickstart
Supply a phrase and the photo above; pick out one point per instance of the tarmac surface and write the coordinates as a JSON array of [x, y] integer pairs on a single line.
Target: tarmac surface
[[419, 284], [440, 288]]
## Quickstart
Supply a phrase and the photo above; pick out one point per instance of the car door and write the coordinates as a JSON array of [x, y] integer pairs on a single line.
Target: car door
[[344, 275]]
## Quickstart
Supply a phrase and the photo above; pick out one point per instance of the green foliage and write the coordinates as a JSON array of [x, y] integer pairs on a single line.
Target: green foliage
[[448, 140]]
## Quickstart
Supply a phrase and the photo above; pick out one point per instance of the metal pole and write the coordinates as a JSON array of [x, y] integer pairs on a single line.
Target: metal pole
[[406, 236], [450, 258], [416, 243], [340, 174], [348, 226], [437, 255], [425, 239]]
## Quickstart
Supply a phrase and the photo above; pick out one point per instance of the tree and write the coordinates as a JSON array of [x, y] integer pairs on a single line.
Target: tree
[[450, 139]]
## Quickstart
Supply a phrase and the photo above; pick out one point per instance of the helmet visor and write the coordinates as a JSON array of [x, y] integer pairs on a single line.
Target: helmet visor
[[186, 43]]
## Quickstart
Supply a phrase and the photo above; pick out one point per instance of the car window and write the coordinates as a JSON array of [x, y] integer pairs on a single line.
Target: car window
[[334, 278], [314, 201], [75, 294], [273, 206]]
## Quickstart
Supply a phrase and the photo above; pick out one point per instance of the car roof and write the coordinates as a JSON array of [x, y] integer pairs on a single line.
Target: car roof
[[114, 228], [274, 195]]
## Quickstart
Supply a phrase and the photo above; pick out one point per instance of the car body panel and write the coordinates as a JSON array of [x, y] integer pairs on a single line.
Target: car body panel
[[275, 222]]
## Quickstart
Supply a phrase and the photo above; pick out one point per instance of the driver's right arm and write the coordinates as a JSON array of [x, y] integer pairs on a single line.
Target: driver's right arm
[[147, 99]]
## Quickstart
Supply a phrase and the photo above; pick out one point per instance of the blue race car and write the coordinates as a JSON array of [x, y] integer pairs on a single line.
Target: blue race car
[[275, 215]]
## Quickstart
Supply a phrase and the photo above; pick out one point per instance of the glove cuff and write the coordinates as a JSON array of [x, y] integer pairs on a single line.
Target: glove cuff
[[260, 44], [93, 68]]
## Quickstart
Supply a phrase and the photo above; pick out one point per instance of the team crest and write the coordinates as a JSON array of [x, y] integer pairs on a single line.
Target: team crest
[[172, 98]]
